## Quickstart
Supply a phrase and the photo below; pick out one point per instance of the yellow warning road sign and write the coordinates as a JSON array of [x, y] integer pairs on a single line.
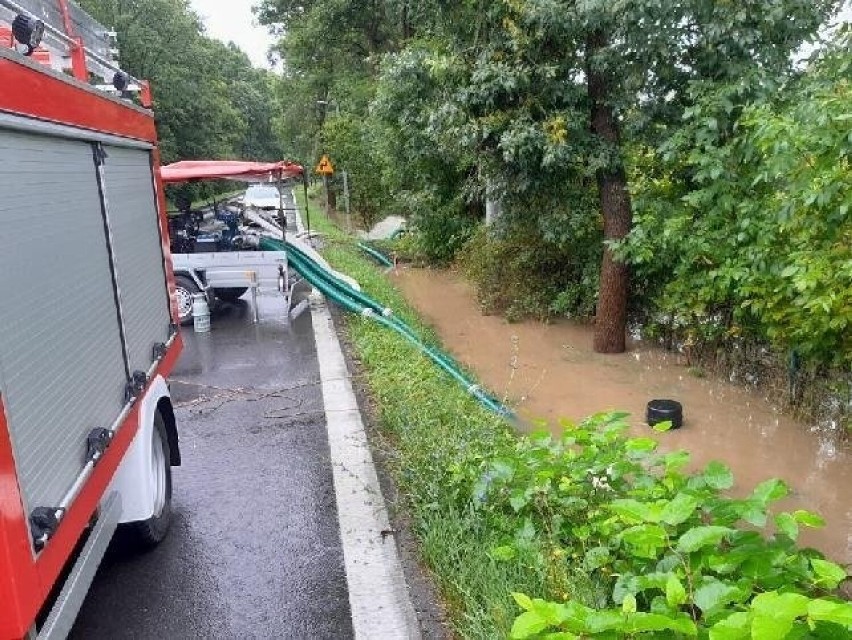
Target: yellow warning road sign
[[324, 168]]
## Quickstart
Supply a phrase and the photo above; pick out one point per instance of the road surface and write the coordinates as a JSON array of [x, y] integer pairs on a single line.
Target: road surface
[[254, 549]]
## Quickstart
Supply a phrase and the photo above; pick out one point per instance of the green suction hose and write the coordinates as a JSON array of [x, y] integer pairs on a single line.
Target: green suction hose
[[350, 299], [376, 255], [305, 265]]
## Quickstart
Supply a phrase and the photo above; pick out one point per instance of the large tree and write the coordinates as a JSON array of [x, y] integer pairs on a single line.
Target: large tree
[[563, 80]]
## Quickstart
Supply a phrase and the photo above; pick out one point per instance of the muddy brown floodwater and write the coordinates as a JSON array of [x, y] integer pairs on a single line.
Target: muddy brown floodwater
[[549, 371]]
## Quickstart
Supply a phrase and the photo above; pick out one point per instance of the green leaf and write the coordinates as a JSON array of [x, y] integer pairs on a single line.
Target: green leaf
[[596, 557], [712, 594], [679, 509], [829, 574], [626, 583], [607, 620], [559, 635], [528, 624], [645, 539], [633, 511], [699, 537], [662, 427], [768, 628], [770, 491], [787, 525], [675, 593], [828, 611], [523, 600], [641, 622], [753, 512], [628, 605], [504, 553], [684, 625], [783, 606], [734, 627], [641, 444], [718, 475], [552, 612], [809, 519], [676, 460]]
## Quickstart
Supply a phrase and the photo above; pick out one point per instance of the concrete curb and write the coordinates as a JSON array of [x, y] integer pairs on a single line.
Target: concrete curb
[[378, 593]]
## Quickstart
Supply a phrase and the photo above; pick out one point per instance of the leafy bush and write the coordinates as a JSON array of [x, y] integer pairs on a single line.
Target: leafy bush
[[668, 549], [441, 233], [747, 216], [519, 274]]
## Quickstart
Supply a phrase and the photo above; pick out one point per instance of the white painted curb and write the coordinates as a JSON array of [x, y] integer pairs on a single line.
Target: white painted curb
[[378, 594]]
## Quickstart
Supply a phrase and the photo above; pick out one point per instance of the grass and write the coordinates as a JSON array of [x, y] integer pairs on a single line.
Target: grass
[[435, 437]]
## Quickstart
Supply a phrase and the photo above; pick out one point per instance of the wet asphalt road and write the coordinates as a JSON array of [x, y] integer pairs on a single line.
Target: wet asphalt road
[[254, 549]]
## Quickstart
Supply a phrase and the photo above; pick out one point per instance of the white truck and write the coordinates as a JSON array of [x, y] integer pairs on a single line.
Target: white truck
[[89, 324]]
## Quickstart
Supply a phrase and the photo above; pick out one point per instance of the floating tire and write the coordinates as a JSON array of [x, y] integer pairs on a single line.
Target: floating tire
[[665, 411]]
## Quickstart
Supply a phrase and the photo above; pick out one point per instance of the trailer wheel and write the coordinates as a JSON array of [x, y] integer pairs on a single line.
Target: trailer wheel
[[230, 294], [149, 533], [185, 289]]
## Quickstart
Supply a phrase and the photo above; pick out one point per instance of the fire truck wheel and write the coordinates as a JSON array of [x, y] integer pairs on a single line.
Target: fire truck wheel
[[152, 531], [185, 289]]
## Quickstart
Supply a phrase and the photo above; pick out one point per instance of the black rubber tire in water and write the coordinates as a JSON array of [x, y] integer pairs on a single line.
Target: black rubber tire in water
[[151, 532], [186, 288], [230, 294], [665, 410]]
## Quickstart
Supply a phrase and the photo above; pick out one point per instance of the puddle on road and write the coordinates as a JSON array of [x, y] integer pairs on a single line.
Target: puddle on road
[[550, 372]]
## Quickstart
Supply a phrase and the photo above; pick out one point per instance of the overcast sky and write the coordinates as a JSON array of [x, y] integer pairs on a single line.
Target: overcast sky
[[232, 20]]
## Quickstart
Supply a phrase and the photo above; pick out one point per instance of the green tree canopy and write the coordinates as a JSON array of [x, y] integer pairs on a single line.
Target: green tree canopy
[[209, 101]]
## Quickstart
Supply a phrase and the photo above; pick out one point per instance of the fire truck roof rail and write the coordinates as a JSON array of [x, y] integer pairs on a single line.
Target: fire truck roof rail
[[65, 22]]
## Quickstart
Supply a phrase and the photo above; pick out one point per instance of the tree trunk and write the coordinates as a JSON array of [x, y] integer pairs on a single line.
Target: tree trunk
[[611, 318]]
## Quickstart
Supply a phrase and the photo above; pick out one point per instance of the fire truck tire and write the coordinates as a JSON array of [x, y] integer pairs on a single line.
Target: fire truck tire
[[149, 533], [230, 294], [185, 289]]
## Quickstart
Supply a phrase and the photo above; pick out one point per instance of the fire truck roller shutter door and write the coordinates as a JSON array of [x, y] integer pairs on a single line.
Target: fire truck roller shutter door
[[140, 270], [61, 357]]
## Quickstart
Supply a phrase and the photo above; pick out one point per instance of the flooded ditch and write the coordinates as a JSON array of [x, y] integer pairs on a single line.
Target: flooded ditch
[[549, 371]]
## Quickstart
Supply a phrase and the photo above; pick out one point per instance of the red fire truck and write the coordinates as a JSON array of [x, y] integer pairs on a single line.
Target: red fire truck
[[87, 318]]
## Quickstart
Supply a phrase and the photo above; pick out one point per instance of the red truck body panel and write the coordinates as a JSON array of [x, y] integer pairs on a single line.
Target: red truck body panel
[[26, 580]]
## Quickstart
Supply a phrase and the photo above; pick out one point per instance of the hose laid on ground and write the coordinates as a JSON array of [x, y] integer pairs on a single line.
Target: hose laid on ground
[[355, 301], [318, 271], [379, 257]]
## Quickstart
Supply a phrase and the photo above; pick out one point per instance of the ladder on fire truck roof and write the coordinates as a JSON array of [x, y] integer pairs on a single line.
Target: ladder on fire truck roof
[[72, 42]]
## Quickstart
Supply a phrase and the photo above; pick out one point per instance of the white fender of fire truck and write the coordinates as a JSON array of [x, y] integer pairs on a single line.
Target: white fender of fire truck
[[133, 479]]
